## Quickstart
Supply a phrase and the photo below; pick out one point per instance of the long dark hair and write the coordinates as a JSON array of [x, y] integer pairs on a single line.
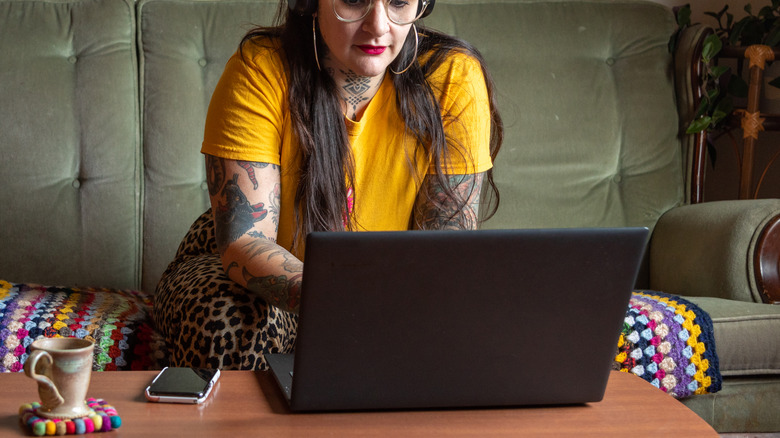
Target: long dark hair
[[318, 122]]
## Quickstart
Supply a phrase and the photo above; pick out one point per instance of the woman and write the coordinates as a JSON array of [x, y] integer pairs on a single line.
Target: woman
[[345, 116]]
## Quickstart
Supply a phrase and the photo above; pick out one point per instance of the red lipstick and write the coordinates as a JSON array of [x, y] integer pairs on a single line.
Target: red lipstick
[[372, 50]]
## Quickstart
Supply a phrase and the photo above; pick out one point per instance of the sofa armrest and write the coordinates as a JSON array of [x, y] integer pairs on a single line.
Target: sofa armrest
[[725, 249], [768, 262]]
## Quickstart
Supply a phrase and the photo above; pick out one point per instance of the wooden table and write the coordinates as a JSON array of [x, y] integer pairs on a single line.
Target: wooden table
[[246, 403]]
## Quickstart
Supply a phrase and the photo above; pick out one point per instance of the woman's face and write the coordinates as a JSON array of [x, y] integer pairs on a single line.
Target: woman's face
[[365, 47]]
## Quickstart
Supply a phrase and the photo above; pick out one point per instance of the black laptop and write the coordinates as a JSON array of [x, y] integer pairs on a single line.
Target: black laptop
[[447, 319]]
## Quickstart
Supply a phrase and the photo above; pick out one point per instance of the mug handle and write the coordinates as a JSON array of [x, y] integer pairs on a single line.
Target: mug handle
[[50, 396]]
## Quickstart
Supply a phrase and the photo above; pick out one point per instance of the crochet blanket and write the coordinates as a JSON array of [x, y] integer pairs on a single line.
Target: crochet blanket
[[665, 340], [669, 342], [117, 321]]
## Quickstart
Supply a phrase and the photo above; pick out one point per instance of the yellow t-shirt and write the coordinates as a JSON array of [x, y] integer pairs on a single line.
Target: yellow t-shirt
[[248, 119]]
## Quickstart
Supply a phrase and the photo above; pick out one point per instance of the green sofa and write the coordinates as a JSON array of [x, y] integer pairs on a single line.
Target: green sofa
[[102, 104]]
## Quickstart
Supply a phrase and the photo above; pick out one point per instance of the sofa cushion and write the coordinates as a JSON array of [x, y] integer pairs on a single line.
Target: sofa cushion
[[183, 48], [601, 147], [117, 321], [746, 335], [70, 171]]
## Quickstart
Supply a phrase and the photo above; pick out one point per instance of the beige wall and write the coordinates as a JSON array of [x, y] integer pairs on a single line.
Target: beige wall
[[700, 6]]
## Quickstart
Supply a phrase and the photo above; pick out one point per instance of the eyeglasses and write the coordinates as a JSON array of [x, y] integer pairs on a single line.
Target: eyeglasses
[[400, 12]]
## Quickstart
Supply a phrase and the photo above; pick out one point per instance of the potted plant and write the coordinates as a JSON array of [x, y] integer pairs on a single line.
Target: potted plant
[[723, 83], [725, 104]]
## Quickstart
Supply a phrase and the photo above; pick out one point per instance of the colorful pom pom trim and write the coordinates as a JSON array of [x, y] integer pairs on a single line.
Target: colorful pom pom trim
[[102, 418]]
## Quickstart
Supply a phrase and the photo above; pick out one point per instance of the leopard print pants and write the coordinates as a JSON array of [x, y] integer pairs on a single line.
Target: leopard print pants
[[208, 320]]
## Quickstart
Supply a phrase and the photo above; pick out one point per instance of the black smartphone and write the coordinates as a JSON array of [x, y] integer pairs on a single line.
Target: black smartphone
[[182, 385]]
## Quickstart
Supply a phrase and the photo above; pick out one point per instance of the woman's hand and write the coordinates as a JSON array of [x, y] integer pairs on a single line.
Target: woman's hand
[[245, 202]]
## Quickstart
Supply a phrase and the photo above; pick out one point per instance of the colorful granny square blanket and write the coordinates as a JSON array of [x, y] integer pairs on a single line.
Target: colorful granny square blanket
[[102, 418], [665, 340], [669, 342], [117, 321]]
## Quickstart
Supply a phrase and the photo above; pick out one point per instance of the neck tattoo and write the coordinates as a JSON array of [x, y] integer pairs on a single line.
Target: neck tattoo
[[355, 91]]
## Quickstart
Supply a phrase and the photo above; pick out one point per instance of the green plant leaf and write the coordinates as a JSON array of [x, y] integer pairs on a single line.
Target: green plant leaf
[[773, 37], [725, 105], [737, 86], [712, 94], [718, 70], [736, 31], [704, 108], [722, 110], [712, 46], [684, 16], [713, 153], [775, 82], [698, 125], [723, 11], [752, 32]]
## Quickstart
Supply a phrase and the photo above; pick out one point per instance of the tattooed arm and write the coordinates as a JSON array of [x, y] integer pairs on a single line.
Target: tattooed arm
[[245, 202], [435, 210]]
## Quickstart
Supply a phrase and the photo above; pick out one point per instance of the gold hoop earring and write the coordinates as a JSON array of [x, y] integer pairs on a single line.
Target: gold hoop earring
[[414, 58], [314, 33]]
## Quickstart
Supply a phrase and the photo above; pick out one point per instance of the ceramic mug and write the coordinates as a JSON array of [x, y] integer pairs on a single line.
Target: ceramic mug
[[62, 368]]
